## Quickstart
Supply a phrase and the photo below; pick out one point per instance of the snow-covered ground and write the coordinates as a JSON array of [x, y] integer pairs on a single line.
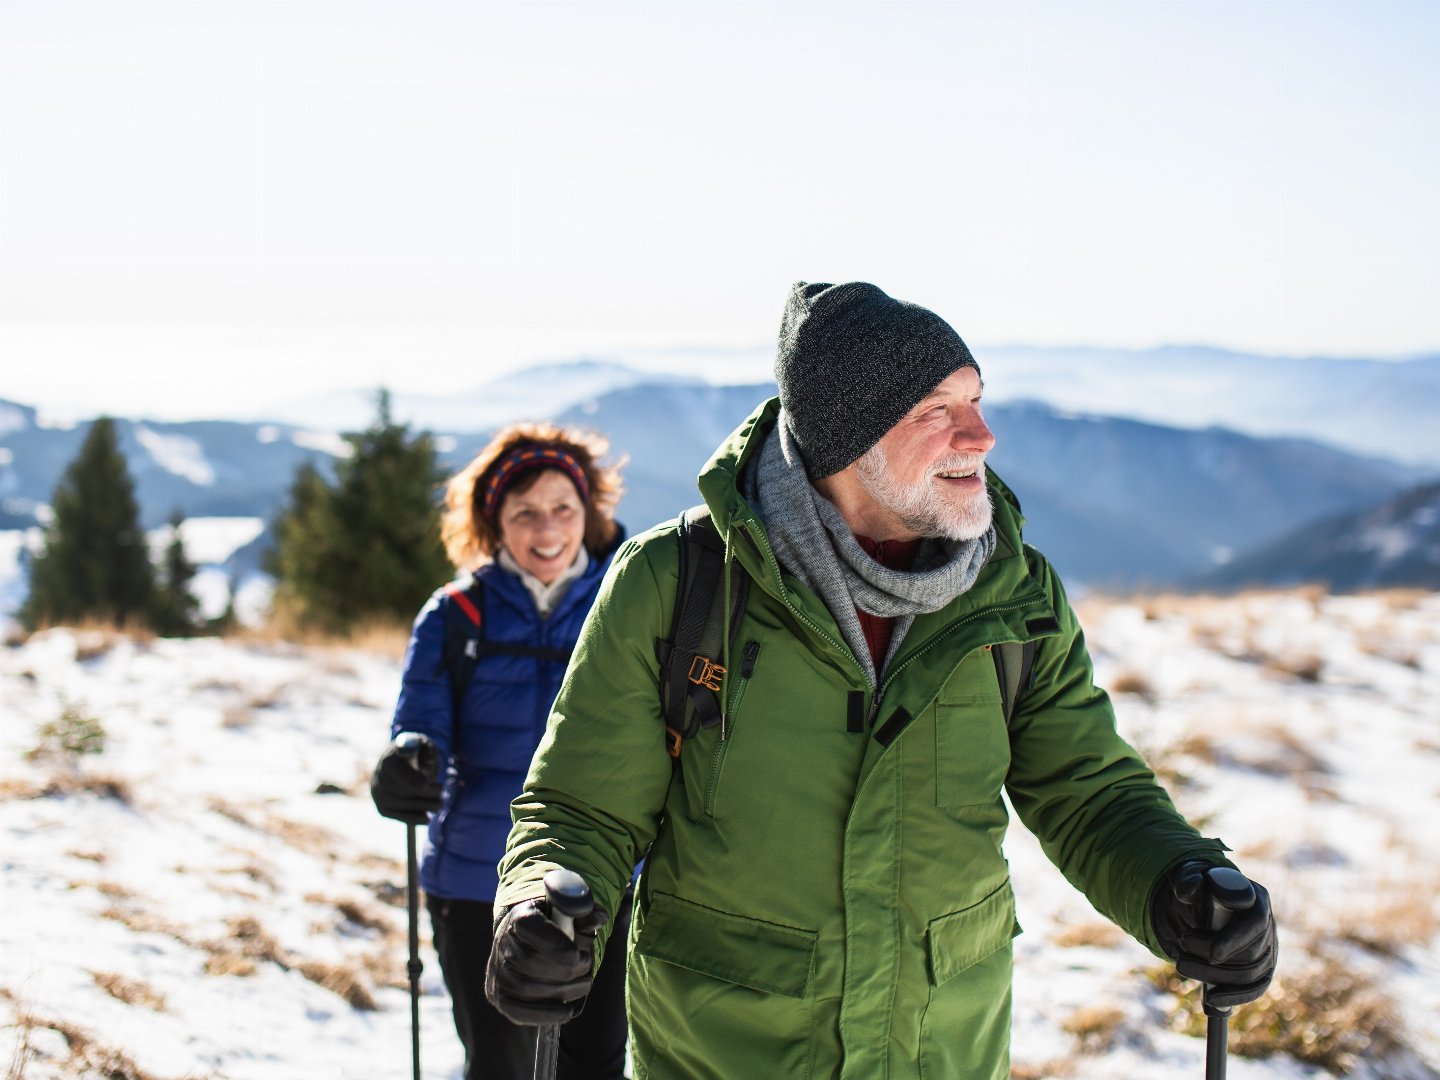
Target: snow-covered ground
[[213, 895]]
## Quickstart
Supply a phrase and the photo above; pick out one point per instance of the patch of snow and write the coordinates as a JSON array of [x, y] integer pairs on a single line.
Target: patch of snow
[[324, 441], [215, 539], [1325, 787], [177, 454], [11, 419]]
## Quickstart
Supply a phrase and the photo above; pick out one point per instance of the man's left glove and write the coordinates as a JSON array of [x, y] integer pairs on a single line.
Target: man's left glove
[[1236, 961], [537, 975], [406, 782]]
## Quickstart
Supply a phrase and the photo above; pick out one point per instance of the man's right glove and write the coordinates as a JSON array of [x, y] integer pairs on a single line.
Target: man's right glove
[[537, 975], [1236, 961], [406, 782]]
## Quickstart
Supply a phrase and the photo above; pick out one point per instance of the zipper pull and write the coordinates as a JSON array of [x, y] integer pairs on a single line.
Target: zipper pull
[[747, 668], [747, 663]]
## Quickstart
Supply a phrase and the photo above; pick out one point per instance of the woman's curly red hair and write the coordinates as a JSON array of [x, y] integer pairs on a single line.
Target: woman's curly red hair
[[470, 538]]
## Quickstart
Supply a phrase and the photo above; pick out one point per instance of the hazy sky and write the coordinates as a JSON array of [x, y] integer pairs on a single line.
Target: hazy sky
[[207, 205]]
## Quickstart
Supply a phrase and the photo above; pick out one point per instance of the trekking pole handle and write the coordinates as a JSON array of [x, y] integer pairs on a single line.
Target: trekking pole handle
[[407, 744], [1229, 891], [569, 899]]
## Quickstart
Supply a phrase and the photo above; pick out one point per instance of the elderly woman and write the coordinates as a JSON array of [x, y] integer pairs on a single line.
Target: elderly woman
[[532, 518]]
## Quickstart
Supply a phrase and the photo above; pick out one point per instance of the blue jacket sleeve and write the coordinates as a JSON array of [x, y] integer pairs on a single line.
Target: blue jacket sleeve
[[426, 704]]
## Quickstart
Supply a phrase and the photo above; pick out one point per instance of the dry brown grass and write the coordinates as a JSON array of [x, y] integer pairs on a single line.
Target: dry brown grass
[[383, 637], [237, 717], [87, 1056], [89, 855], [1097, 934], [249, 944], [252, 868], [229, 963], [357, 912], [310, 839], [1094, 1027], [109, 889], [1319, 1011], [344, 980], [251, 939], [130, 991], [1136, 684], [1303, 666], [1402, 914], [1039, 1070], [142, 922], [104, 785]]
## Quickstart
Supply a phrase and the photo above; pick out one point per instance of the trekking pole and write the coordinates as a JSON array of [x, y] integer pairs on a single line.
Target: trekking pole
[[1230, 891], [407, 745], [569, 899]]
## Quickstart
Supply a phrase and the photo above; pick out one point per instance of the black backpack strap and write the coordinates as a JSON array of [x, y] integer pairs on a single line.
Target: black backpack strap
[[691, 670], [465, 642], [1014, 661], [464, 635], [515, 648]]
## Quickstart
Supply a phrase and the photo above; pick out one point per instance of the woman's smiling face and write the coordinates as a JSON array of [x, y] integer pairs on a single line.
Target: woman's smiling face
[[543, 526]]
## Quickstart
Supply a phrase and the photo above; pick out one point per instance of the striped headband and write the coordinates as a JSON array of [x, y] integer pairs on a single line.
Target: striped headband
[[527, 458]]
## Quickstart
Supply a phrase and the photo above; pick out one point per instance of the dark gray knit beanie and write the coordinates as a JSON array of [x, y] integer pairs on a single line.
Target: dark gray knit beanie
[[851, 362]]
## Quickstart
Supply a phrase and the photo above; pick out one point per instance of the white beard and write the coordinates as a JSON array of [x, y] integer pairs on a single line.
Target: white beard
[[924, 507]]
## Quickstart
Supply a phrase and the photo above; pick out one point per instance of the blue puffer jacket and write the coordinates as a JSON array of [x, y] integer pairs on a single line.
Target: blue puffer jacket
[[501, 720]]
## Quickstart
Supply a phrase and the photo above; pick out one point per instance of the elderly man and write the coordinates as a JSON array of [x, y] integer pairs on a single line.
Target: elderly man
[[824, 892]]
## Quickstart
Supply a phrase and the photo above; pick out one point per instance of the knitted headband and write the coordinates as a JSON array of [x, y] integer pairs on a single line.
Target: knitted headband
[[527, 458]]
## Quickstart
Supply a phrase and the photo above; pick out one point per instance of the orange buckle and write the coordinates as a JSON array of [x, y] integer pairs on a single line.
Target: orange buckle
[[673, 741], [708, 675]]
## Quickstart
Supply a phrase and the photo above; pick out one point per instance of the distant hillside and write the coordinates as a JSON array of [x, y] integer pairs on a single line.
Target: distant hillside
[[1113, 502], [1396, 542], [205, 468], [1384, 408]]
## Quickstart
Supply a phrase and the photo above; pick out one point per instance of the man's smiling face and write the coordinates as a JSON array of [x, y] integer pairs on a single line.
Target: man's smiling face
[[927, 473]]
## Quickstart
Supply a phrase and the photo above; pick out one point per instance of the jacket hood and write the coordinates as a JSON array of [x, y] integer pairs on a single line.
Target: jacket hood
[[719, 480]]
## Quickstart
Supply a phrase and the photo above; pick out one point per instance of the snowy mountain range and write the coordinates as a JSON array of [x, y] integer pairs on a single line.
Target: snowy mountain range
[[1394, 543], [1115, 501]]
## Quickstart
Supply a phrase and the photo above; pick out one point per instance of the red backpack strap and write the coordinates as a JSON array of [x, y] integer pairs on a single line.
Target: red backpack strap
[[461, 596]]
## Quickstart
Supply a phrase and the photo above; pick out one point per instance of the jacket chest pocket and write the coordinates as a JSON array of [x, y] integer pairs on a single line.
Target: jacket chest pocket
[[972, 751]]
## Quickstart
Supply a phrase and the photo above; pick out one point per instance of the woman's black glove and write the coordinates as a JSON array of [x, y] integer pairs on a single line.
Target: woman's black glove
[[537, 975], [1236, 961], [406, 782]]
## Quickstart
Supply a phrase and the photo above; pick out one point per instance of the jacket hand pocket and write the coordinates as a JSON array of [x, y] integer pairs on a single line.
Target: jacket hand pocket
[[963, 938], [734, 948], [753, 981]]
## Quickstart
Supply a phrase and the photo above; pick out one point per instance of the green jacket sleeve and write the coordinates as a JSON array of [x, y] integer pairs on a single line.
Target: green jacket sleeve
[[1098, 811], [597, 783]]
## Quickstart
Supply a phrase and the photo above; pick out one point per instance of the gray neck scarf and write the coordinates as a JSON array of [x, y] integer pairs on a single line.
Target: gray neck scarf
[[813, 542]]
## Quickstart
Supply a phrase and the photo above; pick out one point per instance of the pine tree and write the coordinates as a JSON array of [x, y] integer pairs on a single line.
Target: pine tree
[[94, 562], [367, 546], [177, 613]]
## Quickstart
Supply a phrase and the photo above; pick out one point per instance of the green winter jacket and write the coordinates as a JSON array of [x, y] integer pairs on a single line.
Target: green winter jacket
[[819, 901]]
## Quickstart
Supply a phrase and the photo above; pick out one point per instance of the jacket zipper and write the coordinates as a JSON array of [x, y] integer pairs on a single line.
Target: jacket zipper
[[768, 557], [717, 756]]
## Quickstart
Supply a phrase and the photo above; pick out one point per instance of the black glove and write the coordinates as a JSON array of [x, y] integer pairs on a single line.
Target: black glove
[[537, 975], [406, 787], [1236, 961]]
